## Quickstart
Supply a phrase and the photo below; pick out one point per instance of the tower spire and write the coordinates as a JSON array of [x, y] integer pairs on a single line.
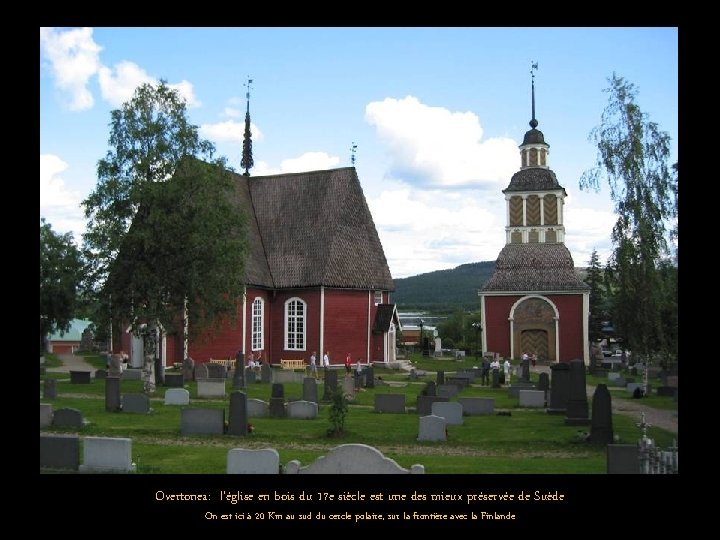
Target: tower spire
[[533, 68], [247, 160], [353, 149]]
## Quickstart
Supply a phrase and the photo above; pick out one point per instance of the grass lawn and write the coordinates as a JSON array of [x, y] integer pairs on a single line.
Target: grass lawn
[[528, 441]]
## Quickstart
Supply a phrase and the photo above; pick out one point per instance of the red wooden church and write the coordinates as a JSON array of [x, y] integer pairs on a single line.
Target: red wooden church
[[535, 301]]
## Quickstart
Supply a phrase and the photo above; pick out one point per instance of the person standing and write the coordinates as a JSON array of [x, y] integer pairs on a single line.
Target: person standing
[[348, 364], [506, 368], [533, 359], [326, 359], [313, 365]]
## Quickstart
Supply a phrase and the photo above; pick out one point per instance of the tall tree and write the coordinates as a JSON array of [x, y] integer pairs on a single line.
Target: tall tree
[[633, 156], [61, 269], [594, 280], [165, 231]]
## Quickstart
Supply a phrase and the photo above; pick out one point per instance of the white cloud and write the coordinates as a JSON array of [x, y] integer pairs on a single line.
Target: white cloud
[[309, 161], [231, 112], [436, 147], [59, 206], [185, 89], [588, 229], [117, 86], [74, 58], [229, 131], [423, 231]]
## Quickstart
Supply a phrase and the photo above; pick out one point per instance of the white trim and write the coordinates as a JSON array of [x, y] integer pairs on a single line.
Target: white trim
[[586, 327], [261, 302], [556, 319], [243, 341], [322, 321], [482, 322], [371, 299], [303, 318]]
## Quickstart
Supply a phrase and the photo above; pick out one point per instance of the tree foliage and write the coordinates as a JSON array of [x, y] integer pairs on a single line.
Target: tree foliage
[[61, 269], [164, 225], [633, 156], [598, 312]]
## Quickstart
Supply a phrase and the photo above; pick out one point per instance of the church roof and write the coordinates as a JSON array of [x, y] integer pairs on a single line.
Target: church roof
[[311, 229], [534, 267], [533, 179], [534, 136]]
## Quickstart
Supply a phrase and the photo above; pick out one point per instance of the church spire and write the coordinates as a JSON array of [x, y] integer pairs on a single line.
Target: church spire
[[533, 67], [247, 160]]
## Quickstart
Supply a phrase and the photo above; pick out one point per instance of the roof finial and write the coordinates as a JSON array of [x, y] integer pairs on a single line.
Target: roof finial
[[353, 149], [247, 160], [533, 68]]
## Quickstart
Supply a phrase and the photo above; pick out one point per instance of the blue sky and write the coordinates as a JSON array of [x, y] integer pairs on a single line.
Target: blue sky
[[437, 115]]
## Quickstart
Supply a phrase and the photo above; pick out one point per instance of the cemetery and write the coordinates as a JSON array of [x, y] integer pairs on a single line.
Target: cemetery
[[437, 422]]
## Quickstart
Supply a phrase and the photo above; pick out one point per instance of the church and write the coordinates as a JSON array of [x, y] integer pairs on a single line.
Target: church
[[535, 302]]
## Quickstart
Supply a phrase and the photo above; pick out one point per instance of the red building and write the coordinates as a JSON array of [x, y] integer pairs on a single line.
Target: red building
[[535, 301], [316, 277]]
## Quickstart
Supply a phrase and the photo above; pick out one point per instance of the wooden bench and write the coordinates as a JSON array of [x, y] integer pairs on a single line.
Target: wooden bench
[[292, 364], [228, 363]]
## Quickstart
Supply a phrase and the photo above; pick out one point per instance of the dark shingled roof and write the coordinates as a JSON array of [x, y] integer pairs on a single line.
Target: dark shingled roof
[[383, 318], [535, 267], [534, 136], [533, 179], [310, 229]]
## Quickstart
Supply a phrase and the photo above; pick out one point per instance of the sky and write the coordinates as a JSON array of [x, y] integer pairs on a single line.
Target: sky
[[436, 116]]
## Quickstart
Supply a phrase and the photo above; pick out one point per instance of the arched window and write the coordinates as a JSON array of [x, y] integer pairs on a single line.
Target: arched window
[[295, 313], [258, 336]]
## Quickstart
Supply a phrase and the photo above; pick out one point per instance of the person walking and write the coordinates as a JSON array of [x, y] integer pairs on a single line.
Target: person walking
[[313, 365], [348, 364], [506, 368]]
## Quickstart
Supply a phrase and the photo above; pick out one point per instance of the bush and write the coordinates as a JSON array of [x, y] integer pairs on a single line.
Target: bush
[[338, 412]]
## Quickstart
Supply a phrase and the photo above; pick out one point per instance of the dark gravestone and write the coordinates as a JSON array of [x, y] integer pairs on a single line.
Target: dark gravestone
[[496, 378], [112, 394], [79, 377], [115, 367], [250, 377], [68, 417], [423, 405], [310, 391], [136, 403], [202, 421], [413, 374], [623, 459], [174, 380], [525, 371], [265, 373], [49, 388], [201, 371], [278, 390], [544, 382], [216, 371], [430, 389], [188, 369], [390, 403], [577, 406], [60, 452], [369, 377], [238, 374], [601, 428], [277, 407], [101, 374], [330, 385], [440, 378], [237, 425], [559, 388]]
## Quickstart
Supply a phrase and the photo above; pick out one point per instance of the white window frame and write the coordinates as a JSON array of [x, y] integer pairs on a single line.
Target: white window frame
[[378, 294], [302, 335], [257, 339]]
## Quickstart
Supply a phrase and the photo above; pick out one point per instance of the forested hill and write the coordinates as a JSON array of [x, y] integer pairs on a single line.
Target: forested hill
[[443, 290]]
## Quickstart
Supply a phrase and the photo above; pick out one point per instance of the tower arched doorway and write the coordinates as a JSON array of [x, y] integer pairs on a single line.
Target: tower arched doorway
[[534, 328]]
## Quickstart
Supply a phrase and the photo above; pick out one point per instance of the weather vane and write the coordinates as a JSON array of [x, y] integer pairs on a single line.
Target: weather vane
[[533, 69], [247, 84], [353, 149]]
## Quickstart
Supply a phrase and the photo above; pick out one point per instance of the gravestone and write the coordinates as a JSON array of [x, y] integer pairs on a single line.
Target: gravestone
[[423, 405], [577, 405], [174, 380], [115, 367], [257, 408], [148, 374], [245, 461], [352, 459], [613, 375], [358, 380], [278, 391], [623, 459], [237, 424], [201, 371], [559, 388], [49, 388], [277, 407], [306, 410], [59, 452], [132, 375], [447, 390], [477, 406], [413, 374], [370, 377], [107, 454], [238, 374], [601, 427], [188, 369], [286, 376], [330, 384], [390, 403], [543, 382], [440, 378], [514, 390], [525, 371], [202, 421], [432, 428], [250, 376], [532, 398], [496, 378], [265, 373], [430, 389], [216, 371], [46, 415], [620, 382], [79, 377], [348, 387], [68, 417], [101, 374], [310, 391], [451, 411], [113, 399], [211, 388], [177, 396], [135, 403]]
